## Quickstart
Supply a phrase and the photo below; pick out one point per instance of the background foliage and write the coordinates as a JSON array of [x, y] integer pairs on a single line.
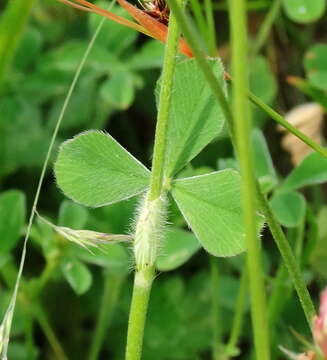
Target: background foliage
[[64, 285]]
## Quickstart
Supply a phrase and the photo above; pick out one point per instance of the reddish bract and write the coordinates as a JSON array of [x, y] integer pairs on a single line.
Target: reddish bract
[[146, 24]]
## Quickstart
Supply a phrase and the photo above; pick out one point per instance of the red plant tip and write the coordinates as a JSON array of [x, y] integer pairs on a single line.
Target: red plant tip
[[320, 324]]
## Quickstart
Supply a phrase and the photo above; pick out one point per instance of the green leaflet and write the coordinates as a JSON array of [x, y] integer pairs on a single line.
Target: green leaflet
[[304, 11], [315, 64], [312, 170], [72, 215], [178, 247], [289, 208], [77, 274], [12, 210], [263, 165], [211, 205], [94, 170], [195, 117]]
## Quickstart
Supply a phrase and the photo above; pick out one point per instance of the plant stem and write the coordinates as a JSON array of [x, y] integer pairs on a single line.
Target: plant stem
[[215, 309], [289, 258], [277, 232], [46, 328], [149, 225], [266, 26], [280, 120], [231, 347], [160, 140], [211, 29], [141, 293], [111, 291], [243, 141], [12, 24]]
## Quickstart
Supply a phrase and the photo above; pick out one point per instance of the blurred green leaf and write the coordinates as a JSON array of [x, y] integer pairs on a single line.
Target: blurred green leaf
[[113, 257], [304, 11], [262, 80], [118, 90], [94, 170], [72, 215], [318, 258], [217, 198], [113, 36], [148, 57], [77, 274], [315, 64], [28, 50], [312, 170], [193, 124], [263, 165], [80, 108], [12, 219], [177, 249], [289, 208]]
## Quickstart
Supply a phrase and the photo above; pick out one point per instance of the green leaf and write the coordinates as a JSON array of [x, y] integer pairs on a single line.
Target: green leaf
[[77, 274], [211, 205], [118, 90], [148, 57], [113, 36], [72, 215], [193, 124], [12, 210], [312, 170], [289, 208], [315, 64], [262, 80], [94, 170], [318, 258], [263, 165], [304, 11], [113, 257], [178, 247]]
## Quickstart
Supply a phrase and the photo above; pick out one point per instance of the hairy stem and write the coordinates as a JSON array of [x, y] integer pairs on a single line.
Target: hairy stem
[[160, 140], [289, 259], [151, 218]]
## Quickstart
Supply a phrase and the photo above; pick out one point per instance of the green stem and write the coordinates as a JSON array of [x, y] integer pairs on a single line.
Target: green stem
[[160, 140], [289, 258], [215, 310], [242, 131], [266, 26], [211, 29], [277, 232], [199, 17], [141, 293], [150, 221], [12, 25], [111, 291], [280, 120], [41, 318], [231, 347]]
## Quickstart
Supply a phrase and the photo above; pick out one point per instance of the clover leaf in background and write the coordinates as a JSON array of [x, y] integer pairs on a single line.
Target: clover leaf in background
[[304, 11], [12, 219], [315, 64]]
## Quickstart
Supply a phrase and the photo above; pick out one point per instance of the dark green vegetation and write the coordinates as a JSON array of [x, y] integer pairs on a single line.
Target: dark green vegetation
[[74, 297]]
